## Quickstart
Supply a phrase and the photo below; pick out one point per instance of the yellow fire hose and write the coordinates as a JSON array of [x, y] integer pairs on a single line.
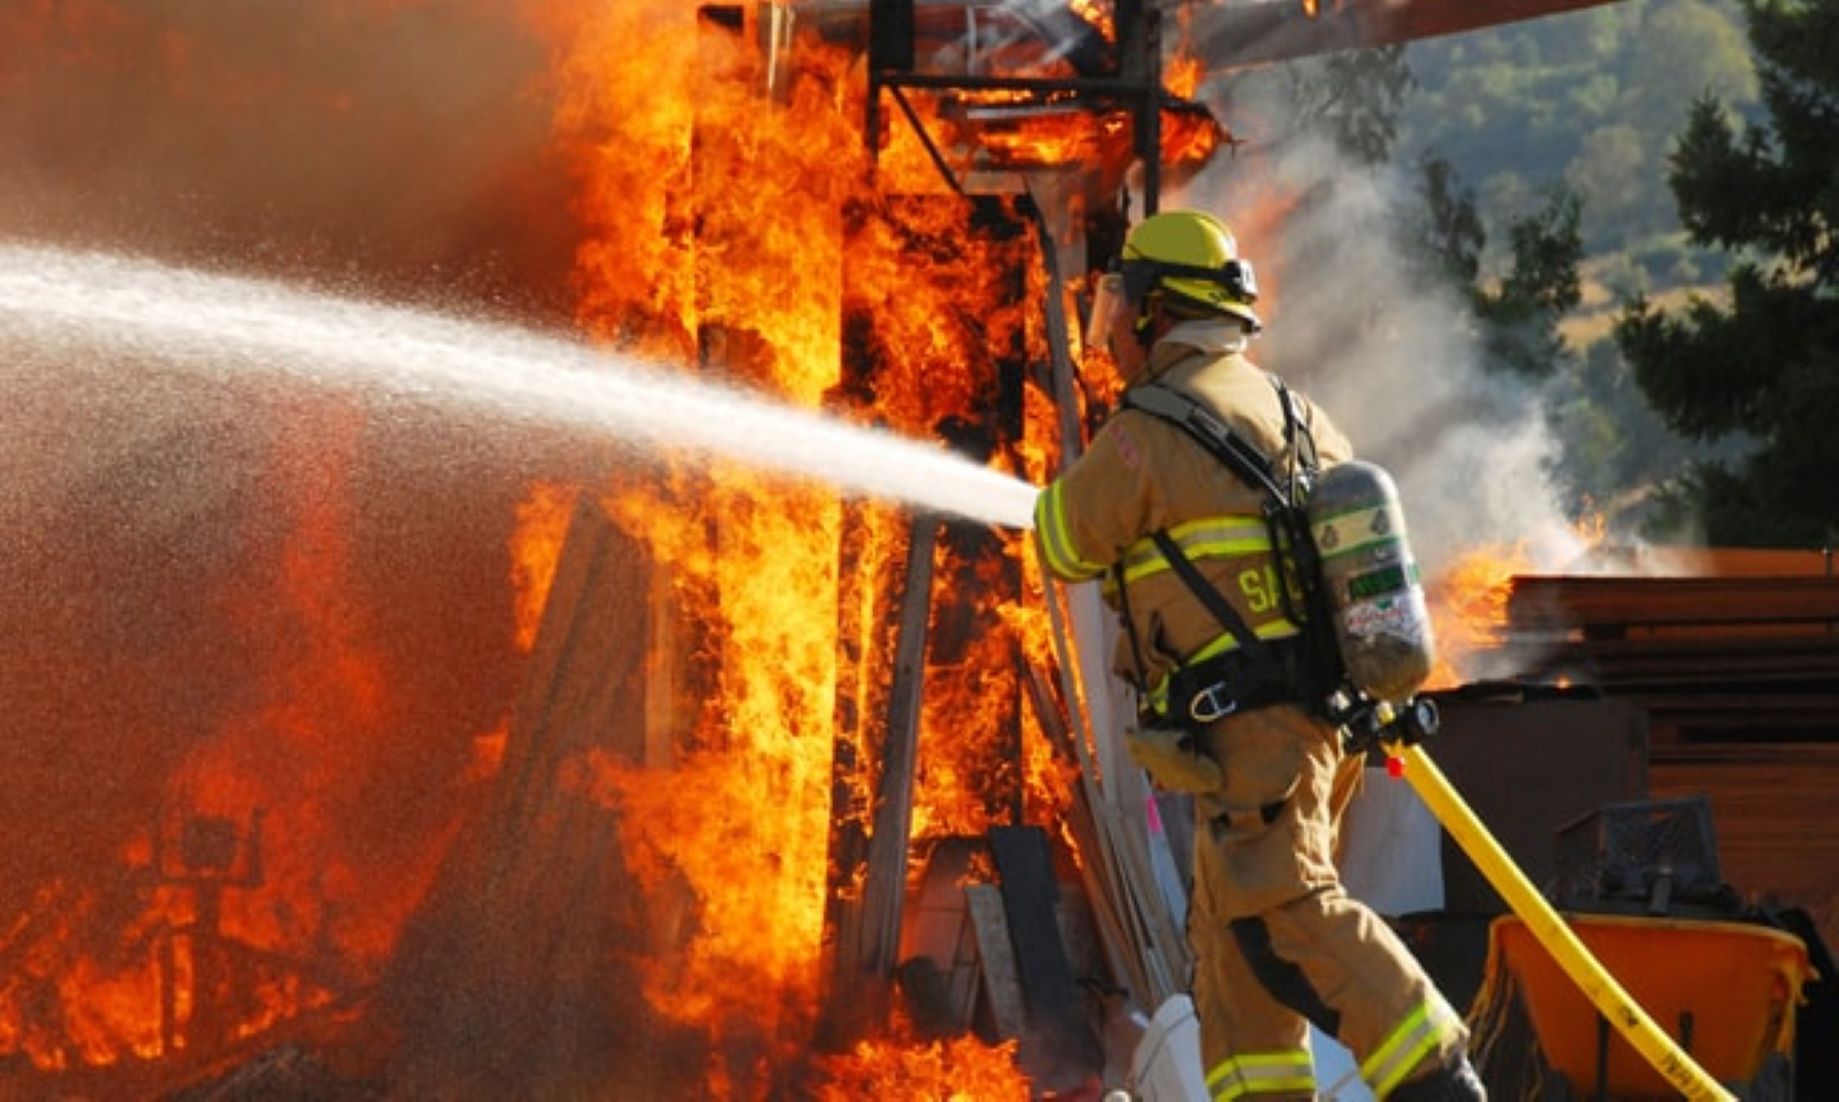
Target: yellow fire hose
[[1571, 954]]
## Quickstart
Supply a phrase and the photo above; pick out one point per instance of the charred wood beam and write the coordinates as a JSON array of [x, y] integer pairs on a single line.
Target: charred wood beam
[[865, 928], [1615, 605], [890, 34], [1238, 35], [885, 890], [1139, 48]]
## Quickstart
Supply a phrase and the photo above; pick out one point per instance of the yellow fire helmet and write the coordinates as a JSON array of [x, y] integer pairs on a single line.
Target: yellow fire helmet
[[1192, 256]]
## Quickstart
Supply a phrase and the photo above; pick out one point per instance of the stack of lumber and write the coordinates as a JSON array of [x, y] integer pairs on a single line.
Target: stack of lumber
[[1739, 674]]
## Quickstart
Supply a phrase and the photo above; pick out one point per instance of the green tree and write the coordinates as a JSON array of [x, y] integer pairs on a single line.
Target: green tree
[[1597, 91], [1765, 362], [1614, 448], [1450, 236], [1518, 317], [1610, 171], [1688, 49], [1362, 93]]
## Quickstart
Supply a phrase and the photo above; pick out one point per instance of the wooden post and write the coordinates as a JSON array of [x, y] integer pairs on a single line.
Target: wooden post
[[867, 940], [887, 849]]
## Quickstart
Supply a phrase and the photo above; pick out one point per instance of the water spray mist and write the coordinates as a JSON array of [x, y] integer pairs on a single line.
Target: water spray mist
[[54, 300]]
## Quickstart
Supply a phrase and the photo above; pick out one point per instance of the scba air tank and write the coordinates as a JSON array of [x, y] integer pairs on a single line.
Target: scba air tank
[[1381, 622]]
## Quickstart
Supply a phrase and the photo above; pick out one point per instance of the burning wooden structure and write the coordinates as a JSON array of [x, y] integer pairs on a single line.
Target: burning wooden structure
[[795, 797]]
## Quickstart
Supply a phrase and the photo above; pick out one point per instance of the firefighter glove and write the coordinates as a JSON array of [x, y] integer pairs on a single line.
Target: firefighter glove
[[1173, 761]]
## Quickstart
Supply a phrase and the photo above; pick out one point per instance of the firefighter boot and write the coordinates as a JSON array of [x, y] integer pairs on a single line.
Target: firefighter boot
[[1173, 760], [1456, 1082]]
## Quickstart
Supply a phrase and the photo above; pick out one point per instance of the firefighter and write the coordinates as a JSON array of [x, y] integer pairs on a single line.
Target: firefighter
[[1277, 941]]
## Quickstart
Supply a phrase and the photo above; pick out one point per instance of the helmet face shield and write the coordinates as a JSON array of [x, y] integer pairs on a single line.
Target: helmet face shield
[[1189, 256], [1139, 278], [1235, 278]]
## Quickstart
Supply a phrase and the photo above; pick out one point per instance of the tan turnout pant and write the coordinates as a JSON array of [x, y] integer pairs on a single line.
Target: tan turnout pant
[[1278, 943]]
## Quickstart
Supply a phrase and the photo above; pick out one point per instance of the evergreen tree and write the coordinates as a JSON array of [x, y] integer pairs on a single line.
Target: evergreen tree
[[1359, 95], [1517, 319], [1521, 316], [1765, 363]]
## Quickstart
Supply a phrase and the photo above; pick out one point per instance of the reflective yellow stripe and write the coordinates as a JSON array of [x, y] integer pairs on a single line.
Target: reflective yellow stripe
[[1406, 1046], [1261, 1073], [1206, 538], [1056, 541], [1276, 629]]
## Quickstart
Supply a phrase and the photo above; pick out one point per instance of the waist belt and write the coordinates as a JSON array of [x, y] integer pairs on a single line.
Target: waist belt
[[1235, 681]]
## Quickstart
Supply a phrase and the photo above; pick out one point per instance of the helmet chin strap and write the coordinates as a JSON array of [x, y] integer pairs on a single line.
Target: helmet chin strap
[[1143, 327]]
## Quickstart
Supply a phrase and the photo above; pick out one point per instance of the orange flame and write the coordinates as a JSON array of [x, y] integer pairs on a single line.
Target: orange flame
[[771, 255], [536, 545], [960, 1069], [254, 877], [1468, 605], [1099, 14], [1183, 75]]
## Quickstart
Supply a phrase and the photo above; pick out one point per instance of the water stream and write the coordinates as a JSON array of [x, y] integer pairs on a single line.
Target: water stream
[[55, 299]]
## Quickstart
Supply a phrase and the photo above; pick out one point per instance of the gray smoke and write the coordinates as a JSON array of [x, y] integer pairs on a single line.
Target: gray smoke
[[1395, 363]]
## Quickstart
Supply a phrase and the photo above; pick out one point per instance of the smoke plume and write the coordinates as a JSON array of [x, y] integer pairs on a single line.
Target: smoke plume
[[1396, 363]]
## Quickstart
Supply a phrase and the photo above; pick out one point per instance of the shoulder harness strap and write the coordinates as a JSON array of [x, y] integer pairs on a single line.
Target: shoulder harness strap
[[1213, 434], [1245, 461], [1303, 460]]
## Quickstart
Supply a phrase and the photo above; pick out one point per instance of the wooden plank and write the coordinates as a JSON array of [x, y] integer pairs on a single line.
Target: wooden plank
[[1789, 663], [1619, 604], [1115, 792], [1101, 891], [1060, 357], [866, 942], [1728, 562], [1002, 981], [1815, 709], [1237, 35], [886, 888], [505, 971], [1773, 807], [867, 593]]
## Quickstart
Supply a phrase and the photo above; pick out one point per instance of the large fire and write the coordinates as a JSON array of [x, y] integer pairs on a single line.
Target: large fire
[[1468, 603], [729, 216], [751, 232]]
